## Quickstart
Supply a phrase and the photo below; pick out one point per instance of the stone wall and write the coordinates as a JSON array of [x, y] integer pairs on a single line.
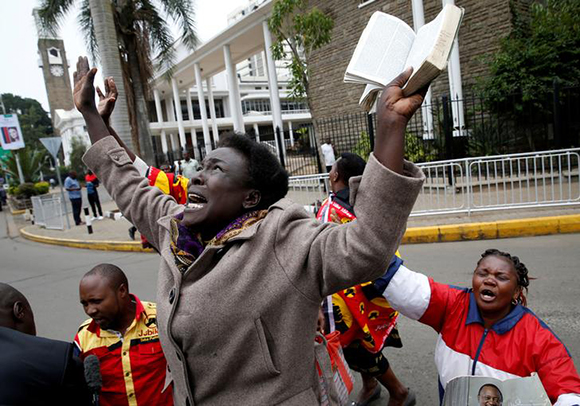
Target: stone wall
[[484, 23]]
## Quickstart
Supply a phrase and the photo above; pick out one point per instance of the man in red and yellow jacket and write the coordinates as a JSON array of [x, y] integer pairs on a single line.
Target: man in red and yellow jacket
[[122, 333]]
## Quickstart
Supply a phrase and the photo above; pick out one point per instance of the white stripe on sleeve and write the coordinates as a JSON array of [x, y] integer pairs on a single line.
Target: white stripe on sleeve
[[568, 399], [409, 293]]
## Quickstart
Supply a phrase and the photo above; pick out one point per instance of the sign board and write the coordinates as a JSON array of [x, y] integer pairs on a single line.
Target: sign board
[[10, 133], [52, 144]]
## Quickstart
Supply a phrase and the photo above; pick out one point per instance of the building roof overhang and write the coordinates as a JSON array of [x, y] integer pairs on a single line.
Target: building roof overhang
[[245, 38]]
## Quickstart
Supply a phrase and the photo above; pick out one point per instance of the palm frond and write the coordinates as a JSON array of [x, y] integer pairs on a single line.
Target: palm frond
[[160, 39], [52, 12], [182, 11], [88, 28]]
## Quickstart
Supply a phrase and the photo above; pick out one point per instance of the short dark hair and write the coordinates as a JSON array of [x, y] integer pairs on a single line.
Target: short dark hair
[[266, 174], [493, 386], [349, 165], [112, 273]]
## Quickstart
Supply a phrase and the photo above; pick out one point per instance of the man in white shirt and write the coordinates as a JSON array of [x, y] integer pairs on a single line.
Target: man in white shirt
[[188, 166], [328, 153]]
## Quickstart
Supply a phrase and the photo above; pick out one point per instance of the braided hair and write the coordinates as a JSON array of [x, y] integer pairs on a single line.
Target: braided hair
[[521, 271]]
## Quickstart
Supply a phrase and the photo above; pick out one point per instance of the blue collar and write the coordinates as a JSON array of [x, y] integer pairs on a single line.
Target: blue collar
[[502, 326]]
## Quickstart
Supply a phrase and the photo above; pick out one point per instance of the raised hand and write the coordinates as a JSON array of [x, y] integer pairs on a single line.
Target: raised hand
[[393, 106], [107, 101], [84, 91], [394, 111], [84, 99]]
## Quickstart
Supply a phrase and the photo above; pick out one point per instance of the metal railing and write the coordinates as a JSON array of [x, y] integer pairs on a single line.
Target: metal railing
[[535, 179], [47, 211]]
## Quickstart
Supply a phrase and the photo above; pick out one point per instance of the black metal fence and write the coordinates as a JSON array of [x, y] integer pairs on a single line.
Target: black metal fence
[[470, 127]]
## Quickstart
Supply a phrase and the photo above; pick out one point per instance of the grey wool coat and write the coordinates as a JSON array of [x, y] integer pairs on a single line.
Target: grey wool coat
[[238, 327]]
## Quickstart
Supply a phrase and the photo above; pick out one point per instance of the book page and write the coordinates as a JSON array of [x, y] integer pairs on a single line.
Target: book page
[[425, 42], [382, 49]]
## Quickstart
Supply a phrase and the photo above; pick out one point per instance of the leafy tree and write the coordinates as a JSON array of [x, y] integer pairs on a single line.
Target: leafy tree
[[144, 43], [78, 149], [34, 121], [544, 44], [301, 31]]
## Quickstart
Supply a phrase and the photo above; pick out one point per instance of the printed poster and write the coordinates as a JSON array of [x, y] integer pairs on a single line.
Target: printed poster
[[10, 134]]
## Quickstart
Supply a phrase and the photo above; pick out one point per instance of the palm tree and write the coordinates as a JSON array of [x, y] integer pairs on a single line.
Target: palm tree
[[31, 161], [132, 40]]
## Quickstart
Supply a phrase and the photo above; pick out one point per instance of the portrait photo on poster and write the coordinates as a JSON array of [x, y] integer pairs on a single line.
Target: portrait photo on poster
[[10, 132]]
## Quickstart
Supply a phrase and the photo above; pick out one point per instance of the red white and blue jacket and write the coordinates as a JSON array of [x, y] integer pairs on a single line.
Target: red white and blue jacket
[[515, 346]]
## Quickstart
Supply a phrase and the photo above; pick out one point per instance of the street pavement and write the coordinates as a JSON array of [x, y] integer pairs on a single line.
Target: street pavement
[[49, 277]]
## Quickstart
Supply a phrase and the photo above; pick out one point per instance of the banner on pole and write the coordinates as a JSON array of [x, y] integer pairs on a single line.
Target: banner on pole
[[10, 134]]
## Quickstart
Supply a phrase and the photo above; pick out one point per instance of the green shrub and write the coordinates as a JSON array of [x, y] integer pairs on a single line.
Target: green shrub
[[363, 146], [26, 190], [13, 190], [42, 188]]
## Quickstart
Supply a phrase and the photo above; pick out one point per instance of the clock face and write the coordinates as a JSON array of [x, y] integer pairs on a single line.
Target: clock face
[[56, 70]]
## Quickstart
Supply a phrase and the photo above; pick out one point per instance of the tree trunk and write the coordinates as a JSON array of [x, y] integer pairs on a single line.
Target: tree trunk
[[104, 22], [139, 102]]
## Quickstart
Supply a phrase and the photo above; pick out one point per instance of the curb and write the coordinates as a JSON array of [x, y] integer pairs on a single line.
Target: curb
[[418, 235], [495, 229], [126, 246]]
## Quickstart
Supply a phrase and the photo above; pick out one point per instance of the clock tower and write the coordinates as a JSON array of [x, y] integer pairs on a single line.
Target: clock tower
[[52, 60]]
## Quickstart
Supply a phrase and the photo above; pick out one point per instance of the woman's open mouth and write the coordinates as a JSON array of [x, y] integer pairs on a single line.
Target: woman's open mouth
[[195, 201], [487, 295]]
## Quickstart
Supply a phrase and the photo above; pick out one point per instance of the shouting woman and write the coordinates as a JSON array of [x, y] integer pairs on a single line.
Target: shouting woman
[[243, 270]]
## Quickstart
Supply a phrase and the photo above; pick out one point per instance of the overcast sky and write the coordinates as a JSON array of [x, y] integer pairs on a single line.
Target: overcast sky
[[19, 71]]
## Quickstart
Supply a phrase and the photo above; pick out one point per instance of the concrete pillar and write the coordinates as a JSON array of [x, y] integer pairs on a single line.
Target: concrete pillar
[[291, 132], [257, 131], [418, 22], [210, 100], [158, 108], [273, 85], [159, 112], [193, 132], [234, 91], [177, 104], [455, 86], [170, 119], [202, 108], [163, 142], [174, 142]]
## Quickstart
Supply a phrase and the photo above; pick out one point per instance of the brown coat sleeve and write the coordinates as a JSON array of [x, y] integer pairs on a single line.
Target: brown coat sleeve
[[323, 259], [140, 203]]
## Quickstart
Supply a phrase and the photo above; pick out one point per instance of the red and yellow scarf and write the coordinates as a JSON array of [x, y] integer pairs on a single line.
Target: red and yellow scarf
[[360, 312]]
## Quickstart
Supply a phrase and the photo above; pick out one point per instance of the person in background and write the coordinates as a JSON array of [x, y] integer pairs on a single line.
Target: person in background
[[92, 183], [188, 166], [486, 330], [72, 186], [122, 333], [363, 334], [34, 370], [328, 153]]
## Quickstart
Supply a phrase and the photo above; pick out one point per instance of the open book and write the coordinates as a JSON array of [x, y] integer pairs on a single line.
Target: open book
[[388, 46], [481, 390]]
